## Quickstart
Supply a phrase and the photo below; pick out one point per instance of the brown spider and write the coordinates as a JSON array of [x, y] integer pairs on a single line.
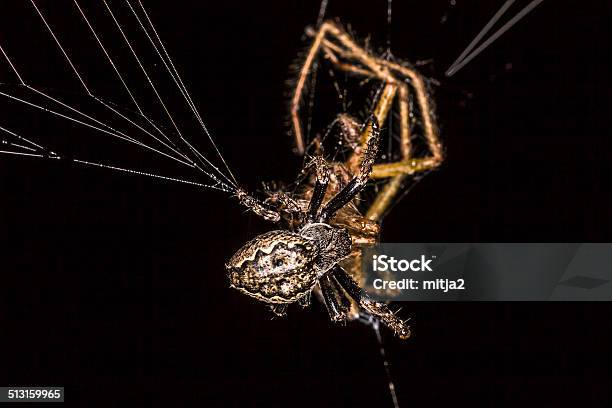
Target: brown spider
[[320, 249]]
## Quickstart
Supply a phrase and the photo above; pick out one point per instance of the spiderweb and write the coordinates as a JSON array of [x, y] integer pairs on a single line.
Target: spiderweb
[[123, 105]]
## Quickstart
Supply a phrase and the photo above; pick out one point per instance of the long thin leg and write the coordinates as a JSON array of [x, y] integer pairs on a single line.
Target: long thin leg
[[338, 305], [321, 183], [404, 111], [377, 309], [297, 96], [358, 182]]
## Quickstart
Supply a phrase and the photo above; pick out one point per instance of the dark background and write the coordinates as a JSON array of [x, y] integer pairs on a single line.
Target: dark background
[[114, 287]]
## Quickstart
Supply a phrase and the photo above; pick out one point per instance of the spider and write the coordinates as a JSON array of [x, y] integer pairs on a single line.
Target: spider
[[319, 248]]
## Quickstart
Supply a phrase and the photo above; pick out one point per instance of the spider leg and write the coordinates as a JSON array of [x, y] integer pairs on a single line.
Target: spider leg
[[286, 206], [377, 309], [301, 82], [340, 306], [359, 181], [264, 210], [320, 187]]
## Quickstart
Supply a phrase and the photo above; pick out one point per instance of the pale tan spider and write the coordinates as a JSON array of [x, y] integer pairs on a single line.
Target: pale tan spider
[[320, 247], [398, 80]]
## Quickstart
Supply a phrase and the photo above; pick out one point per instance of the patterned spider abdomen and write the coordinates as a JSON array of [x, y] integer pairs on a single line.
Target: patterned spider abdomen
[[275, 267]]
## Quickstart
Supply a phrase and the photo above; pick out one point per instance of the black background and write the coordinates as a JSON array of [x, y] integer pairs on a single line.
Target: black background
[[114, 285]]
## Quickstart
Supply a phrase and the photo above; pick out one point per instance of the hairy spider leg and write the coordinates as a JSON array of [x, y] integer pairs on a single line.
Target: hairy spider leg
[[375, 308], [338, 309], [262, 209], [318, 193]]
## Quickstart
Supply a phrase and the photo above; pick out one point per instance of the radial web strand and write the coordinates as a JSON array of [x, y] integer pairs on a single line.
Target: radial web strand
[[102, 116]]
